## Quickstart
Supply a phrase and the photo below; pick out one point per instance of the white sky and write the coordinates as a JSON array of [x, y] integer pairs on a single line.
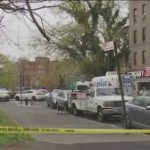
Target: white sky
[[20, 34]]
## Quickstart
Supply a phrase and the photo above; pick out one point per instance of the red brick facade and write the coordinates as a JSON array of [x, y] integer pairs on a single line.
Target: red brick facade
[[33, 73]]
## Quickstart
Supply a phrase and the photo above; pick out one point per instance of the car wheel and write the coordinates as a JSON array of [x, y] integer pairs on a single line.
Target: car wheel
[[74, 110], [100, 116], [127, 125], [17, 98], [34, 98]]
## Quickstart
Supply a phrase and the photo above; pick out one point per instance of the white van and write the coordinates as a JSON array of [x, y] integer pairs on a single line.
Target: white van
[[103, 98]]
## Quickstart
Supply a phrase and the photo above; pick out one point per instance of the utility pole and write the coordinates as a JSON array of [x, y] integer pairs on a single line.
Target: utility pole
[[121, 84]]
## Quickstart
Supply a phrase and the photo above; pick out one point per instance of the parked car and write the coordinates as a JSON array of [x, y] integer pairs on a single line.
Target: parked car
[[146, 93], [11, 93], [4, 95], [52, 98], [138, 112], [62, 99], [31, 95]]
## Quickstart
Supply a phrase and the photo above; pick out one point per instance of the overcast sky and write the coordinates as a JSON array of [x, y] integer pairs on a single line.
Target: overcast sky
[[18, 33]]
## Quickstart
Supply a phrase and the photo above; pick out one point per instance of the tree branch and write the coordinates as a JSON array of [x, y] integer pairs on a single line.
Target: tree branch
[[35, 21]]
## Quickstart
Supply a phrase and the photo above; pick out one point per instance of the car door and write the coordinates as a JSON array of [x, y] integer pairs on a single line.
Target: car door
[[60, 97], [91, 100], [146, 112], [23, 94], [137, 110], [29, 94]]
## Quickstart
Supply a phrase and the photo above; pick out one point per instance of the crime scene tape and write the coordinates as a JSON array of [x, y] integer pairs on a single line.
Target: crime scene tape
[[26, 130]]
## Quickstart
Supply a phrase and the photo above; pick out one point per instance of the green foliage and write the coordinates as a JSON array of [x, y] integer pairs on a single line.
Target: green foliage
[[93, 67], [93, 22], [11, 138], [98, 16], [7, 73]]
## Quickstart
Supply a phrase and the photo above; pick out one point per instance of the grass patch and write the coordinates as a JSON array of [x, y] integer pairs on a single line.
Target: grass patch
[[11, 138]]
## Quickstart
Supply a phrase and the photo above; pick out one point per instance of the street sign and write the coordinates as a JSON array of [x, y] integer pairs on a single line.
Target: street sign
[[108, 46]]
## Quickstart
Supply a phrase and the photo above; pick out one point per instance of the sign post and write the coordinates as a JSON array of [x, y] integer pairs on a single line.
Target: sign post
[[106, 47]]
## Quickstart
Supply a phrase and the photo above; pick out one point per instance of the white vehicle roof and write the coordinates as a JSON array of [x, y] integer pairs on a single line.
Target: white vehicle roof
[[4, 91], [56, 90], [106, 81], [86, 83]]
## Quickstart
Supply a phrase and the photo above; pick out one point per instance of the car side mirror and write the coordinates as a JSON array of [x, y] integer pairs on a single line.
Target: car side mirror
[[148, 107]]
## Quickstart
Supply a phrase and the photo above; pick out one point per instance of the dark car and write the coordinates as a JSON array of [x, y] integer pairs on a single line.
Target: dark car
[[138, 112]]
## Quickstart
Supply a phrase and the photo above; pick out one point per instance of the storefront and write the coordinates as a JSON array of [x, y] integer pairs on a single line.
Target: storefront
[[142, 79], [143, 82]]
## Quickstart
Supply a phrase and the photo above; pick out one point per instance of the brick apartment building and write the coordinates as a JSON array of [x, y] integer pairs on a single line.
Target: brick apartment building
[[139, 38], [139, 34], [33, 73]]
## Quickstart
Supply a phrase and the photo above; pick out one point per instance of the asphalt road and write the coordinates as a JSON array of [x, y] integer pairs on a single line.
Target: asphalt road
[[94, 146], [39, 115]]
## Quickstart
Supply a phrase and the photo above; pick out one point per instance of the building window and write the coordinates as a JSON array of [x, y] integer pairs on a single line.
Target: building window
[[135, 59], [135, 15], [135, 36], [143, 57], [143, 11], [144, 34]]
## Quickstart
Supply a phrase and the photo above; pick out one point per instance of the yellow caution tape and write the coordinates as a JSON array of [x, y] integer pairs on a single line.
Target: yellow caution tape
[[69, 131]]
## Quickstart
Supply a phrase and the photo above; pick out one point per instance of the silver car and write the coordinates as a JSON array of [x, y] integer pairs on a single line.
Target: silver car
[[138, 112], [62, 98], [52, 98], [4, 95], [146, 93]]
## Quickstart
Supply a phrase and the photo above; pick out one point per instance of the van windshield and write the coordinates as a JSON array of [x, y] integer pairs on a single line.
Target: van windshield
[[82, 87], [107, 91]]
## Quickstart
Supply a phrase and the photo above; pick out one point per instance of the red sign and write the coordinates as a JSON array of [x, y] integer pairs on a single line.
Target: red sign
[[146, 72]]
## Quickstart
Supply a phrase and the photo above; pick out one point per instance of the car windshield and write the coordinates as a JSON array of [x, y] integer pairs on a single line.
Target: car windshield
[[43, 90], [146, 93], [107, 91], [56, 90], [3, 91]]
